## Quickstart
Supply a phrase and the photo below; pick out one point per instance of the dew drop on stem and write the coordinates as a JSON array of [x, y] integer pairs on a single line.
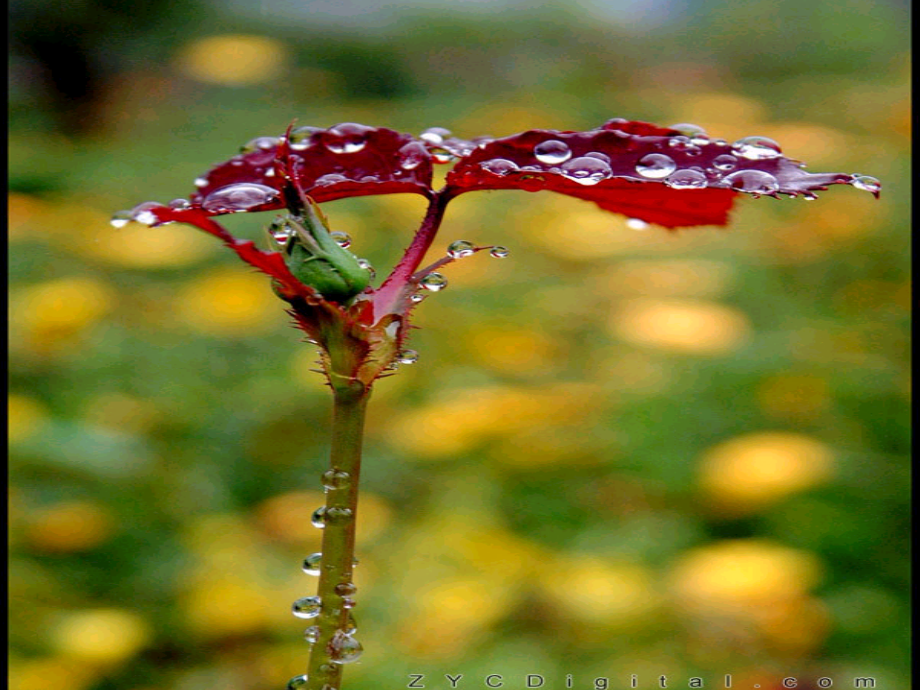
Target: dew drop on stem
[[298, 683], [460, 249], [318, 519], [344, 649], [312, 563], [433, 282], [307, 607], [335, 479], [499, 252]]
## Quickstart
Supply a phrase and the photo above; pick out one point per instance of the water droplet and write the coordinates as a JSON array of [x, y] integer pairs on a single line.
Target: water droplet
[[499, 166], [345, 589], [499, 252], [656, 166], [307, 607], [552, 151], [348, 603], [344, 649], [301, 137], [636, 224], [343, 239], [270, 172], [311, 634], [319, 517], [808, 196], [311, 563], [600, 156], [417, 297], [586, 171], [336, 479], [407, 357], [684, 145], [435, 135], [348, 137], [201, 182], [142, 213], [441, 155], [686, 179], [725, 162], [433, 282], [366, 265], [259, 143], [720, 142], [757, 148], [461, 248], [120, 219], [336, 514], [688, 130], [297, 683], [330, 178], [239, 197], [180, 204], [412, 155], [866, 183], [350, 626], [752, 181]]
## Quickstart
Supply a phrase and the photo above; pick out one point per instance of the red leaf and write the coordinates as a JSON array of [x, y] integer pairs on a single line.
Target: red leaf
[[342, 161], [672, 177]]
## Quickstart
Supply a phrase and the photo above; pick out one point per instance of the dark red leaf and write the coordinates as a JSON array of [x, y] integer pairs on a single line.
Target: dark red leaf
[[671, 177], [342, 161]]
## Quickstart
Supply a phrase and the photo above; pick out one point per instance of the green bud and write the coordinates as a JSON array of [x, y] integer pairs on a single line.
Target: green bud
[[315, 259]]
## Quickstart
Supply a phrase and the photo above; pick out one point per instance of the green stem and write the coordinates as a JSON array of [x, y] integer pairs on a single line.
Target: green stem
[[338, 550]]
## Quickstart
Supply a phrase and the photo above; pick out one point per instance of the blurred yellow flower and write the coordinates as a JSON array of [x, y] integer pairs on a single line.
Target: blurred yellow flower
[[104, 636], [464, 418], [70, 527], [220, 605], [591, 590], [47, 317], [685, 326], [449, 615], [34, 673], [234, 59], [742, 576], [25, 417], [748, 472], [513, 350], [138, 246], [669, 278], [287, 517], [229, 302]]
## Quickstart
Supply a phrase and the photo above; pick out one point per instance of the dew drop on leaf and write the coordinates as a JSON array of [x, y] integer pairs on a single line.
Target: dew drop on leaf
[[656, 166], [752, 181], [757, 148], [586, 171], [499, 166], [725, 162], [236, 198], [686, 179], [866, 183], [552, 152], [259, 144]]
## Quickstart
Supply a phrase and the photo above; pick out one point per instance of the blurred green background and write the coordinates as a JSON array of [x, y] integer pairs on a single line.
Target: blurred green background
[[620, 453]]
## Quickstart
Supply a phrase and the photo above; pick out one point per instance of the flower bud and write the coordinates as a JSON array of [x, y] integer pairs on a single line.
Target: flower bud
[[316, 259]]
